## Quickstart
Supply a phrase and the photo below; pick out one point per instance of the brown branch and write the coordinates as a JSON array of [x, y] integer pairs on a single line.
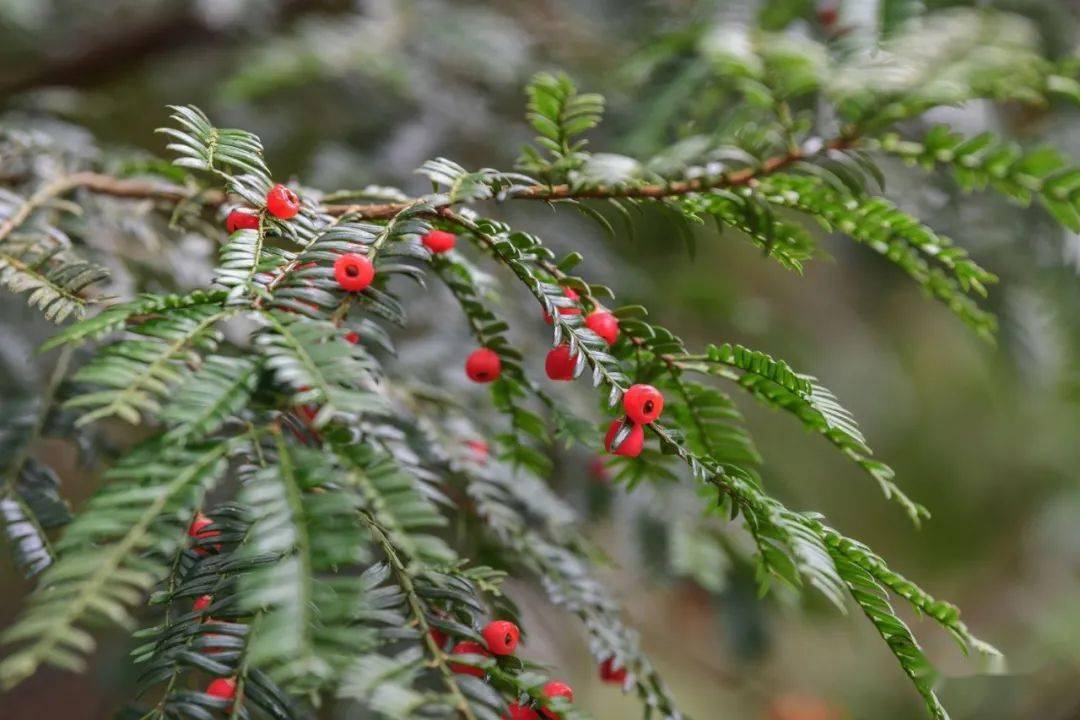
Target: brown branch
[[681, 187], [143, 189]]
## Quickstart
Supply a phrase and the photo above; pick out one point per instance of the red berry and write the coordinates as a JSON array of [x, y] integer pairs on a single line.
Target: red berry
[[572, 310], [631, 446], [241, 220], [201, 603], [483, 365], [439, 241], [468, 647], [224, 688], [598, 469], [352, 337], [438, 636], [603, 324], [643, 403], [828, 15], [560, 364], [610, 674], [282, 202], [501, 637], [195, 530], [556, 689], [517, 711], [353, 272], [480, 449]]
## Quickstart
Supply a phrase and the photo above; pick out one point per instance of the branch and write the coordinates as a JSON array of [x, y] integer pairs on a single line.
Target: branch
[[143, 189], [416, 608]]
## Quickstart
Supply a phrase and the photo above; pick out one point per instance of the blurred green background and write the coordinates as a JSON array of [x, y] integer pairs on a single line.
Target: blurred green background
[[348, 93]]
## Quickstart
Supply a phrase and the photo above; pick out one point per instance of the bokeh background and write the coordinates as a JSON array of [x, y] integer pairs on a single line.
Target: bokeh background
[[347, 93]]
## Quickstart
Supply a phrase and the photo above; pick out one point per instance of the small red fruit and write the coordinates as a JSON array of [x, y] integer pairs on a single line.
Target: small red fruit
[[501, 637], [438, 636], [598, 469], [468, 647], [481, 450], [241, 220], [603, 324], [517, 711], [353, 272], [352, 337], [196, 531], [572, 310], [439, 241], [560, 364], [643, 403], [610, 674], [224, 688], [282, 202], [828, 14], [631, 446], [201, 603], [483, 365], [556, 689]]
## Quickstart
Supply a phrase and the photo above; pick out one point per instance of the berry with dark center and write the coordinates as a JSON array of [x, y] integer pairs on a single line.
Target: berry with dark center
[[468, 647], [571, 310], [223, 688], [610, 674], [282, 202], [353, 272], [517, 711], [196, 531], [201, 603], [560, 364], [241, 220], [501, 637], [556, 689], [483, 365], [643, 403], [631, 446], [439, 241], [603, 324]]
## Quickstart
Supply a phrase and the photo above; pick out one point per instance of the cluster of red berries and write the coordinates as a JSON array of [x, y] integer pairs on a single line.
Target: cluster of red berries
[[281, 202], [560, 364], [484, 365], [501, 639], [642, 405]]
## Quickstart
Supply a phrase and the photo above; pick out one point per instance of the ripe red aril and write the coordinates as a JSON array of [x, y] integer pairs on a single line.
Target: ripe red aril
[[483, 365], [517, 711], [603, 324], [571, 310], [560, 364], [556, 689], [282, 202], [439, 241], [643, 403], [610, 674], [224, 688], [353, 272], [631, 446], [468, 647], [241, 220], [501, 637]]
